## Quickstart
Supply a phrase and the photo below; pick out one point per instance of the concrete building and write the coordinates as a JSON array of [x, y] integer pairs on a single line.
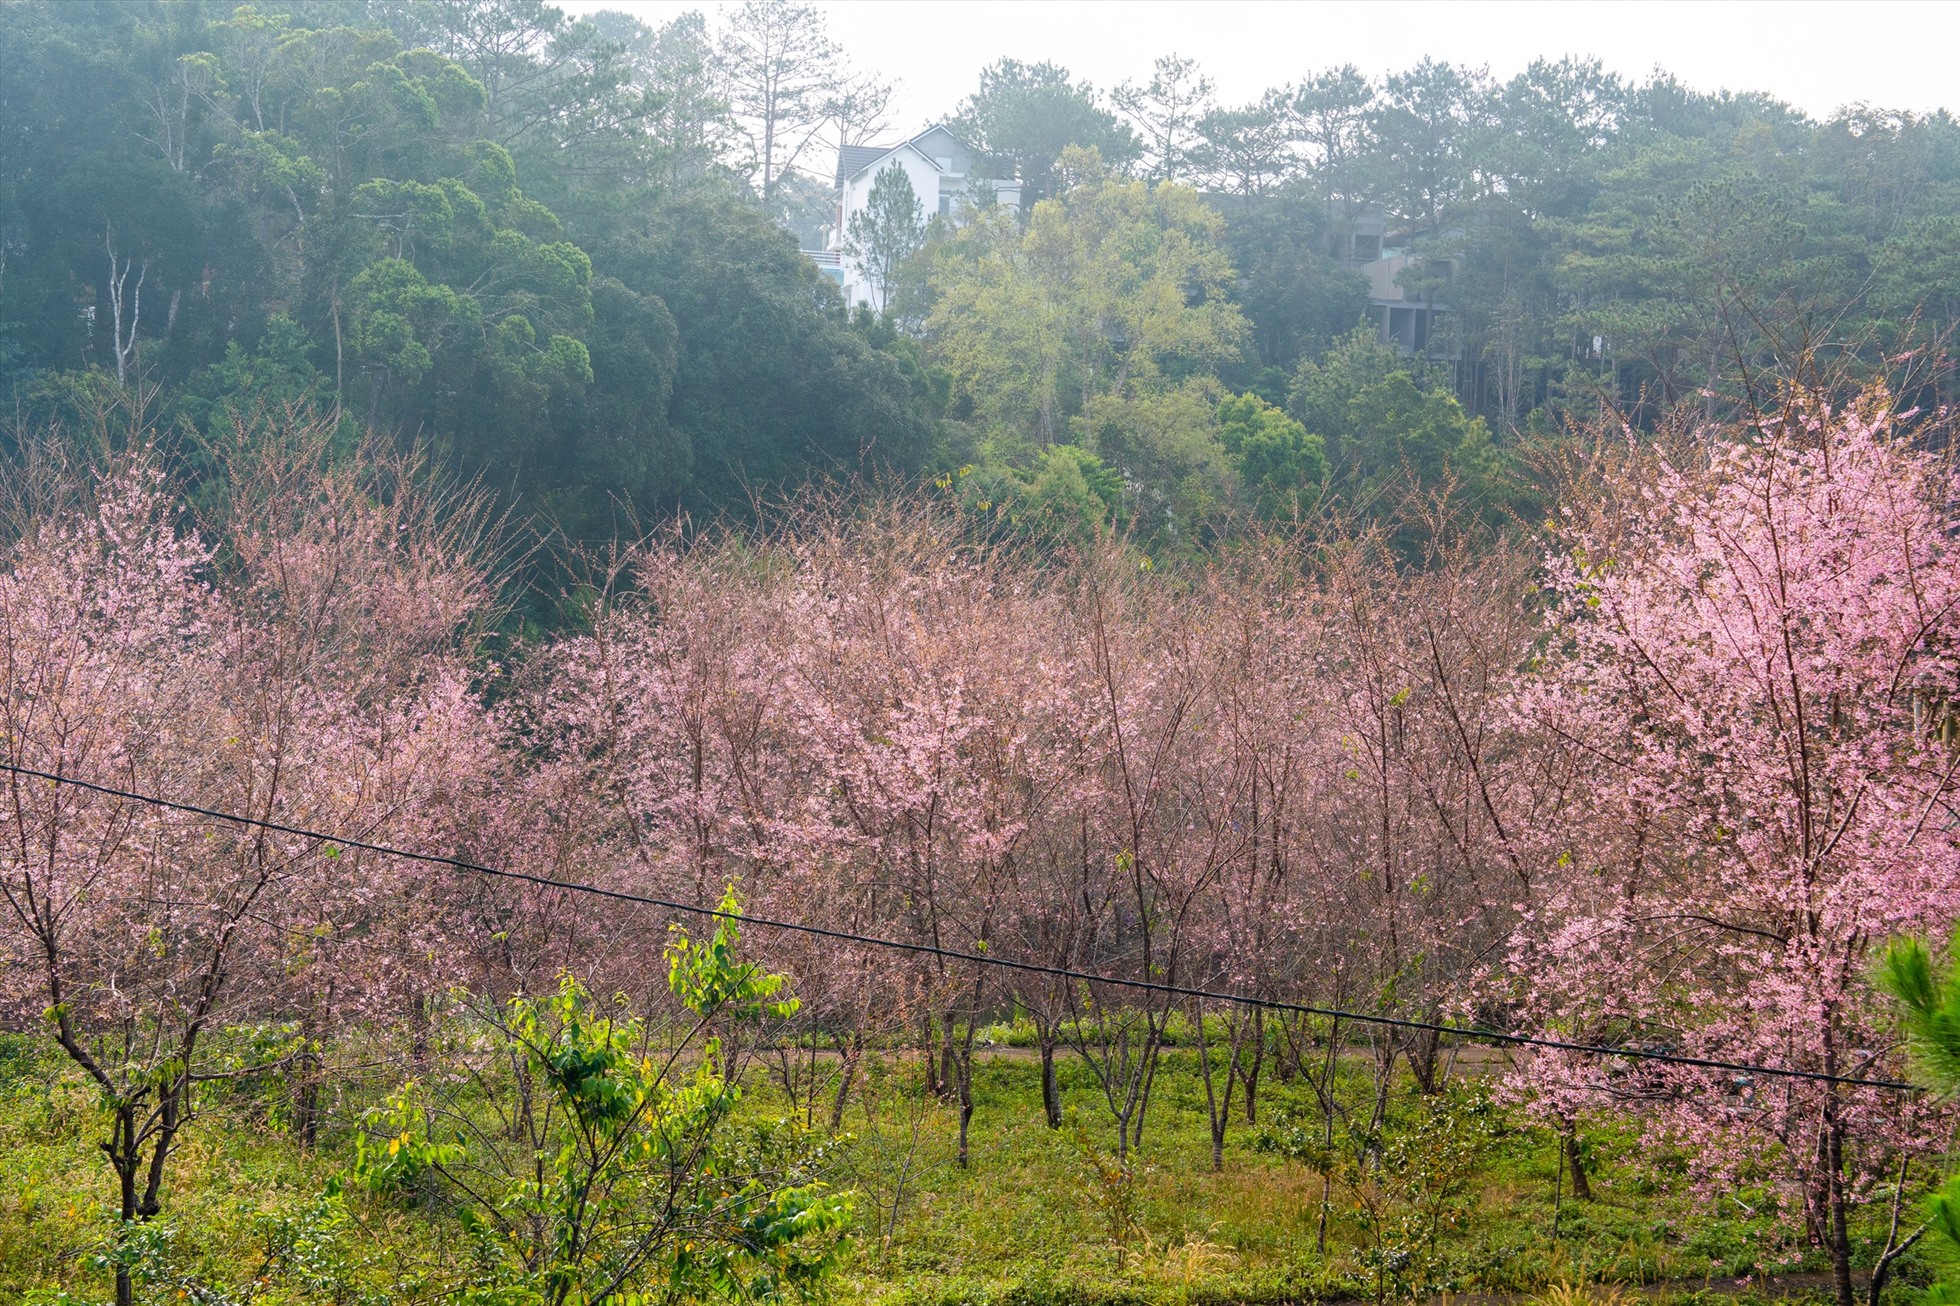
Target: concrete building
[[1410, 320], [1413, 318]]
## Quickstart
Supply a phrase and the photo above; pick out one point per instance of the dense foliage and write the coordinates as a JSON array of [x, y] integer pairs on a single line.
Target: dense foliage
[[480, 224], [559, 251]]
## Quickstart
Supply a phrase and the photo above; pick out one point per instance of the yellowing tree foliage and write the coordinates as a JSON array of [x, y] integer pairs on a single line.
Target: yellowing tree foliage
[[1116, 289]]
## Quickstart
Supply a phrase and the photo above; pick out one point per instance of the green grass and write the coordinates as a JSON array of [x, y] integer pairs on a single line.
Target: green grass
[[1024, 1224]]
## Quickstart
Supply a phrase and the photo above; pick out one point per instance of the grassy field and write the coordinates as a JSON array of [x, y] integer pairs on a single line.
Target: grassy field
[[1465, 1199]]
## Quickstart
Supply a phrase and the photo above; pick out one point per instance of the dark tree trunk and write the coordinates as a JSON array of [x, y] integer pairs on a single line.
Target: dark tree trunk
[[949, 1070], [1286, 1054], [122, 1155], [1575, 1163], [1425, 1061], [1838, 1238], [1894, 1247], [1151, 1048], [418, 1037], [1324, 1093], [929, 1058], [959, 1058], [1386, 1051], [853, 1054], [309, 1070], [1051, 1093], [306, 1098], [1250, 1074], [1218, 1107]]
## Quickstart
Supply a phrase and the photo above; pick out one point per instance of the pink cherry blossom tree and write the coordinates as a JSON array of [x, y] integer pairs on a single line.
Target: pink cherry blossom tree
[[1745, 641], [308, 674]]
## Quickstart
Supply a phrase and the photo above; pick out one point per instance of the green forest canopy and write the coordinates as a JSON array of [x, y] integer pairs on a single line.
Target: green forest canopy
[[538, 244]]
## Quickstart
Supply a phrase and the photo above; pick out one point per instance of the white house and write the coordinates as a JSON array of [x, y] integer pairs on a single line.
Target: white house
[[940, 167]]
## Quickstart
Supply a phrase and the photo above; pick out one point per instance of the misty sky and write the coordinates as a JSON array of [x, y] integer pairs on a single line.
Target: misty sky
[[1816, 56]]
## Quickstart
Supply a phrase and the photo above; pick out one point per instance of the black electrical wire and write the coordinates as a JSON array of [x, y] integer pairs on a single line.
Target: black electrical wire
[[979, 958]]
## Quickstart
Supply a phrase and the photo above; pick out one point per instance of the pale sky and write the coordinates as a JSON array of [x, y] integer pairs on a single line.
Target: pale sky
[[1813, 54]]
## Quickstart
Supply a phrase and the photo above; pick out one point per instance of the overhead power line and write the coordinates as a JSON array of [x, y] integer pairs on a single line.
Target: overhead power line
[[977, 958]]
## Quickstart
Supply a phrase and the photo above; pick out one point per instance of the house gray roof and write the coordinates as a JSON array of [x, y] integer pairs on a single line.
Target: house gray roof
[[853, 157]]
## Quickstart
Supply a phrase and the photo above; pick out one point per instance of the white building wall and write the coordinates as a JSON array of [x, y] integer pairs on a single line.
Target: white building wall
[[923, 175], [930, 181]]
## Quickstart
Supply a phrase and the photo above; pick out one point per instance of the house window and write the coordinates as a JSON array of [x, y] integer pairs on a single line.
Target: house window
[[946, 204]]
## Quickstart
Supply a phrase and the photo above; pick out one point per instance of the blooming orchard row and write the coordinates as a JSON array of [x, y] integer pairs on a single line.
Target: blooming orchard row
[[1671, 781]]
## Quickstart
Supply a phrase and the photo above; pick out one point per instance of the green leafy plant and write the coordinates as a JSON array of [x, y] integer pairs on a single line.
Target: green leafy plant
[[304, 1254], [586, 1170], [1110, 1183], [1412, 1189]]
